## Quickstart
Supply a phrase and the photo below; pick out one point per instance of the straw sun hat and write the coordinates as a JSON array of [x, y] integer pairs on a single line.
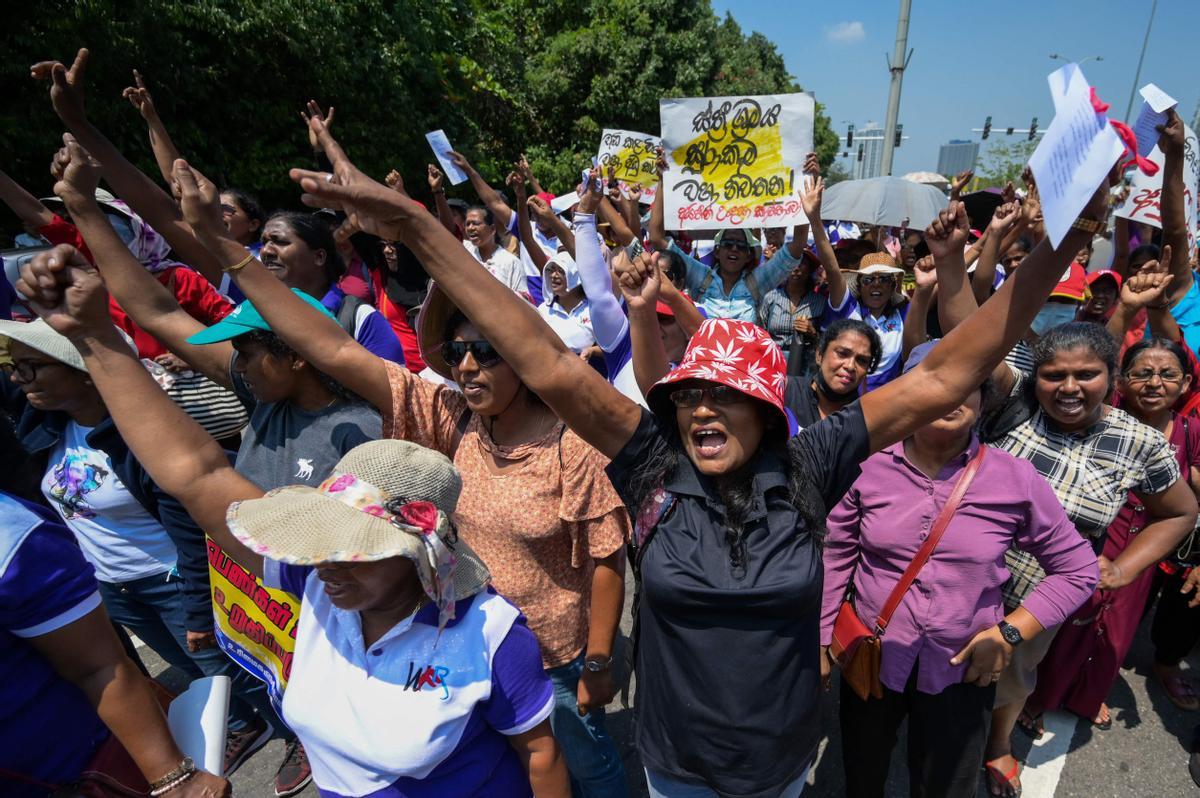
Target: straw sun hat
[[877, 263], [383, 499]]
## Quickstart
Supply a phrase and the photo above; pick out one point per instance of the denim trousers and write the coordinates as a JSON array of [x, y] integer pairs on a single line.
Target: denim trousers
[[152, 608], [591, 755], [663, 786]]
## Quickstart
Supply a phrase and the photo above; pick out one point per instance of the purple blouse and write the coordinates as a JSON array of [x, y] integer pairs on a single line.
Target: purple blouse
[[884, 519]]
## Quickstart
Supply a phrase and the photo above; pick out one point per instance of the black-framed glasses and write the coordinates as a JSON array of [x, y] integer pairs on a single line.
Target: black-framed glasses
[[882, 279], [26, 371], [1145, 375], [484, 353], [740, 246], [720, 394]]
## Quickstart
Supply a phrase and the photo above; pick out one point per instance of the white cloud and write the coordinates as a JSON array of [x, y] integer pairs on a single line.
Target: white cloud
[[845, 32]]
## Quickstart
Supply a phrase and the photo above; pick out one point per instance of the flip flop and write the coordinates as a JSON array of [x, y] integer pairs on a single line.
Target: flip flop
[[1105, 724], [1001, 780], [1031, 725], [1180, 691]]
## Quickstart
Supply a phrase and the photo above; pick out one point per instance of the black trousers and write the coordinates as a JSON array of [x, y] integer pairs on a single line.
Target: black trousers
[[947, 733], [1176, 628]]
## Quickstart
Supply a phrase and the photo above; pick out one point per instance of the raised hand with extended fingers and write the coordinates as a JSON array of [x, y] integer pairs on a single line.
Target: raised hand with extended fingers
[[139, 97], [313, 111], [66, 86]]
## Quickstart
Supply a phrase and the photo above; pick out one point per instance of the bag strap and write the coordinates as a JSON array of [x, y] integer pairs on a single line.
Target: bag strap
[[706, 282], [926, 550]]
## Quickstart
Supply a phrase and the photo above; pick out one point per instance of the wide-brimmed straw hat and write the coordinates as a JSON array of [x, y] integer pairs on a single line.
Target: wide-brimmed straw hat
[[738, 354], [39, 335], [877, 263], [383, 499]]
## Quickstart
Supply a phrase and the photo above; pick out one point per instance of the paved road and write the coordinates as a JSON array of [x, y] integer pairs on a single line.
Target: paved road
[[1144, 754]]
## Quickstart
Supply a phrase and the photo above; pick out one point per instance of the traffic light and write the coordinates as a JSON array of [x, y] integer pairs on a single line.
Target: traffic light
[[899, 130], [850, 137], [1033, 129], [987, 127], [860, 152], [1009, 131]]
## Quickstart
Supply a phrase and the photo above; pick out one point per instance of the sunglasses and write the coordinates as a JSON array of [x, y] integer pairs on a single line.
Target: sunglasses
[[882, 279], [720, 394], [484, 353], [740, 246]]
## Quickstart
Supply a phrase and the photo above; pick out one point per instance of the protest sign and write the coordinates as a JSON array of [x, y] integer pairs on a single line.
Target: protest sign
[[255, 625], [631, 156], [1145, 192], [735, 161], [1153, 114], [441, 148], [1075, 155]]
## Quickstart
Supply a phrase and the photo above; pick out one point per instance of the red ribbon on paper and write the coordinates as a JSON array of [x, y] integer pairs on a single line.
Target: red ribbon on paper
[[1148, 167]]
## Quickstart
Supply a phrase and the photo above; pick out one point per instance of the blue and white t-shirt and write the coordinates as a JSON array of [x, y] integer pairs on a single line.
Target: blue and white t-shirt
[[417, 714], [890, 328], [48, 730], [118, 537]]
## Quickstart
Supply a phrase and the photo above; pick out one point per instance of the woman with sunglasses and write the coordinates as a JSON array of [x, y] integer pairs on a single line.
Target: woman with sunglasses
[[731, 581], [1085, 659], [536, 504]]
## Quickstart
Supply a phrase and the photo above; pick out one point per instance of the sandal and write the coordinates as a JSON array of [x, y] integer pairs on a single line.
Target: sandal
[[1180, 691], [1106, 724], [1008, 783], [1031, 724]]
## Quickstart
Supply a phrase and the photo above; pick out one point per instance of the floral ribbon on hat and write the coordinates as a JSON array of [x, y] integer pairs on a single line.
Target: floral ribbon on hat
[[420, 518]]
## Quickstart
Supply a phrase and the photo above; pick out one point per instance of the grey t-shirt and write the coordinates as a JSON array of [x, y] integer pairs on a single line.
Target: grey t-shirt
[[285, 445]]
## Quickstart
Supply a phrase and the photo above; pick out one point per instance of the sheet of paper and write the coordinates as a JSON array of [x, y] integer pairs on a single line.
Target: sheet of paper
[[630, 154], [1153, 113], [1076, 153], [441, 148], [735, 161], [197, 721], [1145, 193], [563, 201]]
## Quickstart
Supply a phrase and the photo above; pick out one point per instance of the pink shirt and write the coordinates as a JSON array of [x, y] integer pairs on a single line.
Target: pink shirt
[[885, 517]]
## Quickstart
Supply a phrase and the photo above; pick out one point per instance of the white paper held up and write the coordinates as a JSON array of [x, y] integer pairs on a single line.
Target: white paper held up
[[197, 721], [1075, 155], [441, 148], [1153, 113]]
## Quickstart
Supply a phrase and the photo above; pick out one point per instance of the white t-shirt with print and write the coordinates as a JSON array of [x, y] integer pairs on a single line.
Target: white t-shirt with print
[[504, 266]]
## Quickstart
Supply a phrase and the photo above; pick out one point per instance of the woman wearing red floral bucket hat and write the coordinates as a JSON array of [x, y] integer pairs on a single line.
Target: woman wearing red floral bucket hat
[[731, 580], [410, 676]]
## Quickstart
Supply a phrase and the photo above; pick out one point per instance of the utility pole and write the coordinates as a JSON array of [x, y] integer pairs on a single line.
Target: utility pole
[[896, 65], [1137, 76]]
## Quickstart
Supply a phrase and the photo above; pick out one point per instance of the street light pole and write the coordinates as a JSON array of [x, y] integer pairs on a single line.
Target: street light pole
[[1137, 77], [896, 66]]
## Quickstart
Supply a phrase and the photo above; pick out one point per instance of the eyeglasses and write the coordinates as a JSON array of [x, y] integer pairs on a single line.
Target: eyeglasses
[[26, 371], [484, 353], [740, 246], [1145, 375], [721, 394], [882, 279]]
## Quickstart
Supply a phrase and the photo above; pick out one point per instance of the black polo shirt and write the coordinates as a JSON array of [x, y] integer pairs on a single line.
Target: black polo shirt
[[728, 672], [800, 397]]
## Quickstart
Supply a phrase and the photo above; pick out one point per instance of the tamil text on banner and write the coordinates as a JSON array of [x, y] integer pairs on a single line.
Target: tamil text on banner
[[735, 161], [255, 625], [630, 155], [1145, 192]]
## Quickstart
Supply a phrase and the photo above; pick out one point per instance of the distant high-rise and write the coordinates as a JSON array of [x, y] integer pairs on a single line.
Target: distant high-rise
[[958, 155], [866, 158]]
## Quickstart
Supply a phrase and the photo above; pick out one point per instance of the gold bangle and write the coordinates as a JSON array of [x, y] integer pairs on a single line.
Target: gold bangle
[[237, 267]]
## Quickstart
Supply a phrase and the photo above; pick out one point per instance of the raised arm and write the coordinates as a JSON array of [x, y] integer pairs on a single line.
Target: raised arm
[[326, 346], [1146, 289], [985, 270], [164, 149], [1174, 215], [150, 202], [540, 208], [608, 319], [489, 196], [28, 208], [595, 410], [618, 221], [657, 231], [915, 326], [526, 171], [814, 188], [437, 185], [969, 353], [958, 183], [524, 227], [188, 464], [1120, 263], [640, 281], [147, 301]]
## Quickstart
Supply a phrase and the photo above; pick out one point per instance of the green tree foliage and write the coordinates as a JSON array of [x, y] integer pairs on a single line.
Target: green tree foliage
[[230, 76], [1003, 162]]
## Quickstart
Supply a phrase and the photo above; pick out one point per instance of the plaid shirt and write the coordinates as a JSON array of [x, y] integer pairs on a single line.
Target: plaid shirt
[[1091, 472]]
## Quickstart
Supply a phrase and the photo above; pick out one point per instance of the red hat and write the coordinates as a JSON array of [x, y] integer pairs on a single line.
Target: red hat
[[545, 195], [738, 354], [1094, 276]]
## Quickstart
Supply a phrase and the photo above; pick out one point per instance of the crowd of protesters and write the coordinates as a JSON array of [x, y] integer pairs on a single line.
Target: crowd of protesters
[[449, 431]]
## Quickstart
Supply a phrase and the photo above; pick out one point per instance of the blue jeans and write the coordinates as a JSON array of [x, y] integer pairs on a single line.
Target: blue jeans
[[596, 768], [662, 786], [152, 608]]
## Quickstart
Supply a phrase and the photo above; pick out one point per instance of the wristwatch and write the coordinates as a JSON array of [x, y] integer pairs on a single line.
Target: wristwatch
[[1010, 633], [598, 665], [1092, 226]]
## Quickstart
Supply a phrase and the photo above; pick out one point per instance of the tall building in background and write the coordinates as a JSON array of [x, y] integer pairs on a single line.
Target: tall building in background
[[866, 157], [958, 155]]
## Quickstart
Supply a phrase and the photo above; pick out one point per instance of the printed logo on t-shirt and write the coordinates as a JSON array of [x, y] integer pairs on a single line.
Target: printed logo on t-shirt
[[304, 468], [71, 480], [431, 676]]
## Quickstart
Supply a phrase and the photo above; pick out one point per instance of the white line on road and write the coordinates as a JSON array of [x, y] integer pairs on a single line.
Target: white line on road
[[1044, 767]]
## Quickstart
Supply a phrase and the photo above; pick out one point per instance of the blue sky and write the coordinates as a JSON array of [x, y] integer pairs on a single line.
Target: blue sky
[[973, 59]]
